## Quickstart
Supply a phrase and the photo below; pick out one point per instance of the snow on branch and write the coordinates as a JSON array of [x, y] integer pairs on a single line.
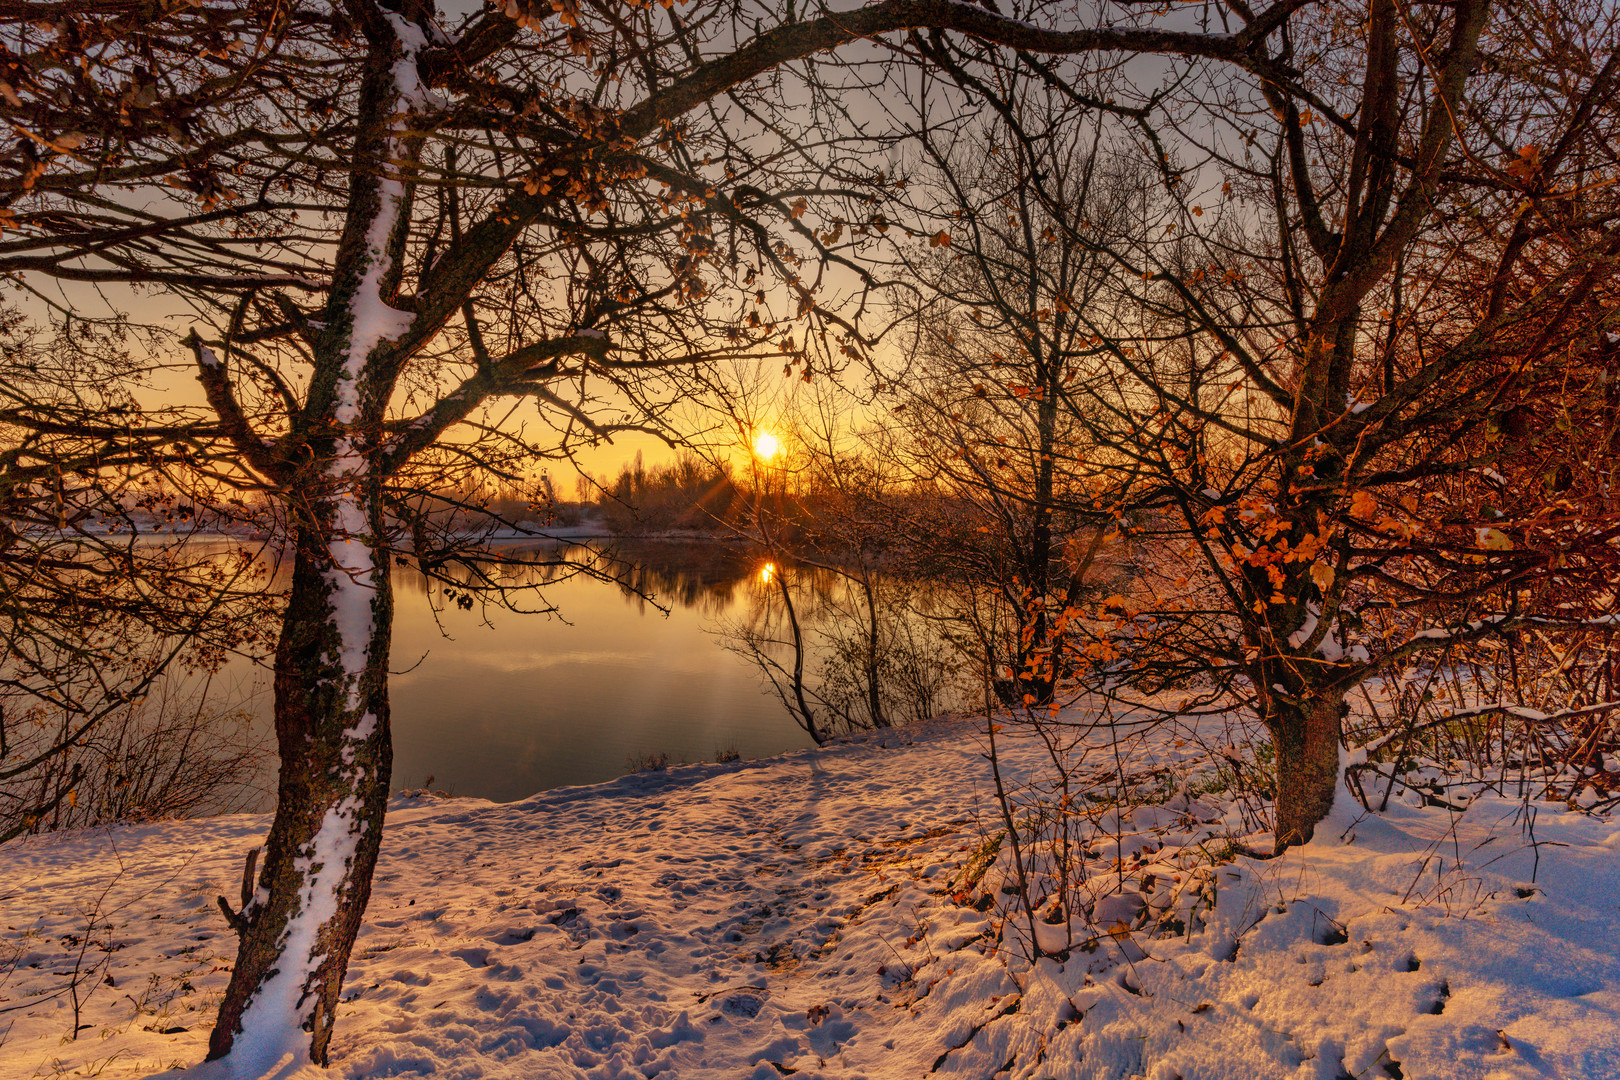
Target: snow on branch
[[1522, 712]]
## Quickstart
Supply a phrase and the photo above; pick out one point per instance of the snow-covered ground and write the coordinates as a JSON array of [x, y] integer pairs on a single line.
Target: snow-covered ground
[[817, 914]]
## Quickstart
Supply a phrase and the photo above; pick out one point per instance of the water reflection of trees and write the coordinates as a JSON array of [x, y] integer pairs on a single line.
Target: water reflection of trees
[[739, 593], [699, 576], [767, 609], [658, 574], [825, 644]]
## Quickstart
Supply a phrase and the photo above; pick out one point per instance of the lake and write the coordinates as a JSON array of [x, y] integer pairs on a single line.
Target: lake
[[499, 704]]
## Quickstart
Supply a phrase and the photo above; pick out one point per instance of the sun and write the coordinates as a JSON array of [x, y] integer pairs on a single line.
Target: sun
[[766, 445]]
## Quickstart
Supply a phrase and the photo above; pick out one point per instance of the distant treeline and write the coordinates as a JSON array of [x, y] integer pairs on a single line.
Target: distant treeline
[[690, 494]]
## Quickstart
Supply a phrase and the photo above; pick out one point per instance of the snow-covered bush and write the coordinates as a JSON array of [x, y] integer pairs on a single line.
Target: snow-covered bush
[[1532, 715], [1120, 828]]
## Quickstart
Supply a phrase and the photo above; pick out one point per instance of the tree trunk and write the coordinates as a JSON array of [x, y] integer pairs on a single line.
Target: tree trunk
[[1307, 745], [874, 687], [1040, 655], [332, 731], [332, 723], [807, 716]]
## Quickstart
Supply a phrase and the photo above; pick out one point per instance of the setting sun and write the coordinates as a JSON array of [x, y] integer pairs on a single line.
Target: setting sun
[[766, 445]]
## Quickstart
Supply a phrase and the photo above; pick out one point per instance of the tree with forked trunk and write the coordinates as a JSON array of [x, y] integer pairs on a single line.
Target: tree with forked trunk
[[1346, 296], [1003, 350]]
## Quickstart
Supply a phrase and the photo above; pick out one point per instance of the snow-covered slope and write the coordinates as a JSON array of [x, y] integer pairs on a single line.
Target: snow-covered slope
[[808, 915]]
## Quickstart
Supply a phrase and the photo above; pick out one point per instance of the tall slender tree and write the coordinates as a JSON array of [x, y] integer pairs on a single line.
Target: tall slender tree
[[1022, 195]]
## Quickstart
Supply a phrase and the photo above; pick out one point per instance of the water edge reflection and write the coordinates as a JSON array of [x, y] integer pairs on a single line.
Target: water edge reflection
[[502, 704]]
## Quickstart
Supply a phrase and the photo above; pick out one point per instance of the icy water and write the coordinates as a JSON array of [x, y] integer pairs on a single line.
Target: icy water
[[501, 704]]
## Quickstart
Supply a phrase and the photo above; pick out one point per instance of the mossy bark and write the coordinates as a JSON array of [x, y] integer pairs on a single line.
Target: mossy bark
[[332, 731]]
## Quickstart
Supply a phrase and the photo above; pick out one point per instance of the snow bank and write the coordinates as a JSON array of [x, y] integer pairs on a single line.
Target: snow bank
[[808, 915]]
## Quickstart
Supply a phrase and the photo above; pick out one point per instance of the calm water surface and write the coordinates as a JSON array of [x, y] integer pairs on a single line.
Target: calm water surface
[[497, 704]]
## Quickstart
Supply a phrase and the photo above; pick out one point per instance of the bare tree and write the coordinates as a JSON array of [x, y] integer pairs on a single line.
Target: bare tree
[[1322, 331], [1022, 195], [846, 529], [100, 597]]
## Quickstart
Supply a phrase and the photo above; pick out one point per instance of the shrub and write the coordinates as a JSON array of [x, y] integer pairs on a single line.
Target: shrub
[[155, 758]]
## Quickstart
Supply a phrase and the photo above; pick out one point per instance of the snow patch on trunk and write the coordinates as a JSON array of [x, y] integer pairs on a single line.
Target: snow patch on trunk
[[1329, 648], [274, 1041], [372, 322], [272, 1023]]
